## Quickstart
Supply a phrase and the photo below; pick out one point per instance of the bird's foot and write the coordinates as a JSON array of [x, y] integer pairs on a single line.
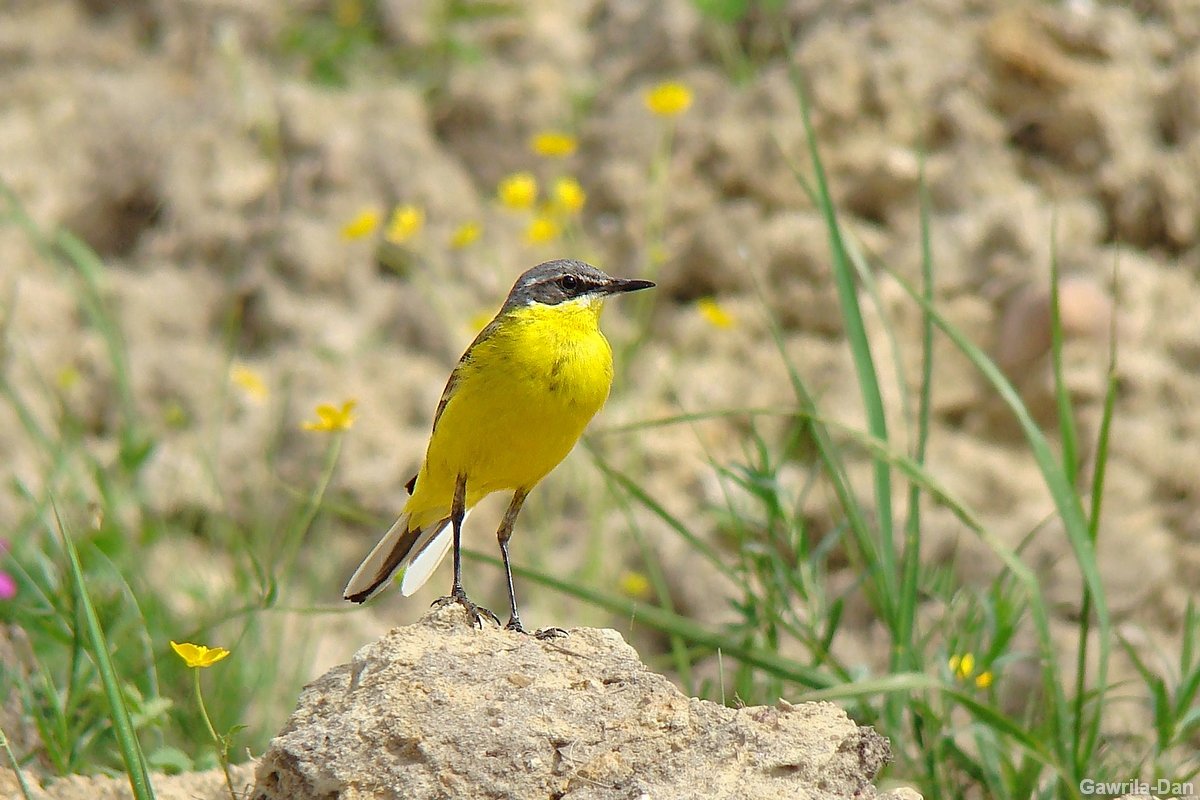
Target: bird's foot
[[544, 634], [475, 613]]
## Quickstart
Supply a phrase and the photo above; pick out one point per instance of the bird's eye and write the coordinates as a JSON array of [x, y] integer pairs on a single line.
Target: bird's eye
[[569, 282]]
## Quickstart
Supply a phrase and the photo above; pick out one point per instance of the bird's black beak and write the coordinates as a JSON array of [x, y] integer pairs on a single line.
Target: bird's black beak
[[622, 285]]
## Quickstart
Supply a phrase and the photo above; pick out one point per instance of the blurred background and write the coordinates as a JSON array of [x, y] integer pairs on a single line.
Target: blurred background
[[219, 214]]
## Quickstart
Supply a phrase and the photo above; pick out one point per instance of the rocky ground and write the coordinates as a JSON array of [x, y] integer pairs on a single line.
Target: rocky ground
[[440, 709], [195, 153], [208, 785]]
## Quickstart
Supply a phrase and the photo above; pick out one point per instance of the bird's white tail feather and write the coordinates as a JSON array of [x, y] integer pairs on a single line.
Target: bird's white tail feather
[[366, 577], [425, 560], [418, 552]]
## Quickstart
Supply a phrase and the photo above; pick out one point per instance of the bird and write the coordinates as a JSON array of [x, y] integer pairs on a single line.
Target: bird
[[515, 404]]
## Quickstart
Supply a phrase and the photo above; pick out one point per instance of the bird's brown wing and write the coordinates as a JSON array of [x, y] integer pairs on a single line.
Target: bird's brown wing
[[452, 384]]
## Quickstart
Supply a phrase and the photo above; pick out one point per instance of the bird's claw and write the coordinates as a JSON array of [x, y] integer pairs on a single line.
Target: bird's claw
[[476, 613], [543, 634]]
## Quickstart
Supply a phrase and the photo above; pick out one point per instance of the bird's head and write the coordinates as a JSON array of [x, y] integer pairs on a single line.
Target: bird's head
[[555, 282]]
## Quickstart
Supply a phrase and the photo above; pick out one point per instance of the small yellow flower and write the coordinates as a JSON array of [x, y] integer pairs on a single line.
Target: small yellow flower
[[658, 253], [541, 230], [553, 144], [67, 377], [569, 196], [197, 655], [962, 666], [668, 99], [364, 224], [175, 415], [518, 191], [347, 13], [963, 669], [332, 418], [635, 585], [465, 235], [715, 313], [406, 222], [249, 382]]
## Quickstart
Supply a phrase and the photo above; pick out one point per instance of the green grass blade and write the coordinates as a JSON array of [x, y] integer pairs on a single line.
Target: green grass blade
[[131, 751], [26, 792], [1088, 739], [135, 444], [1068, 431], [909, 682], [903, 683], [748, 413], [831, 461], [669, 623], [642, 496], [895, 348], [1069, 509], [1189, 685], [64, 248], [1187, 722], [864, 364], [29, 422], [1015, 730], [662, 590], [905, 650]]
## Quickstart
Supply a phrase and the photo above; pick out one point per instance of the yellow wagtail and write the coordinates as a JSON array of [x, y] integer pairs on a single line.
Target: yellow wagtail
[[514, 406]]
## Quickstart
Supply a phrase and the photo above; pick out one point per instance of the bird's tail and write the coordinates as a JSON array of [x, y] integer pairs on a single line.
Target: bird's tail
[[418, 550]]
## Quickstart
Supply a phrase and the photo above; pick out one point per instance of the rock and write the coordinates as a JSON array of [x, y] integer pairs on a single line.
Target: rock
[[1025, 333], [441, 709]]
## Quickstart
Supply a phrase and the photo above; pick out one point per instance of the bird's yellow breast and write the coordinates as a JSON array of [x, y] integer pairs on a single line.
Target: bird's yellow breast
[[520, 400]]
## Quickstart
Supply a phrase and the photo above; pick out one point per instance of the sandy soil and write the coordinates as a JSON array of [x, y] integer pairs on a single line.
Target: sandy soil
[[214, 177]]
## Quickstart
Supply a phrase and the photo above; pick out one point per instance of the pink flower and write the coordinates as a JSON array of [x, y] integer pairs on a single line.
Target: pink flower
[[8, 584]]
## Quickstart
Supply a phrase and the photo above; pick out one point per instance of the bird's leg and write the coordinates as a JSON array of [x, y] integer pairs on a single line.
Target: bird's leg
[[457, 595], [503, 534], [458, 510]]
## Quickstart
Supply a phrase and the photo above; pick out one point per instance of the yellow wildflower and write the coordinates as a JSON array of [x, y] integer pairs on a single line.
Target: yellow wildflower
[[658, 253], [363, 224], [541, 230], [963, 669], [406, 222], [635, 585], [197, 655], [715, 313], [175, 415], [518, 191], [465, 235], [249, 382], [962, 666], [347, 13], [67, 377], [668, 99], [569, 196], [332, 418], [553, 144]]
